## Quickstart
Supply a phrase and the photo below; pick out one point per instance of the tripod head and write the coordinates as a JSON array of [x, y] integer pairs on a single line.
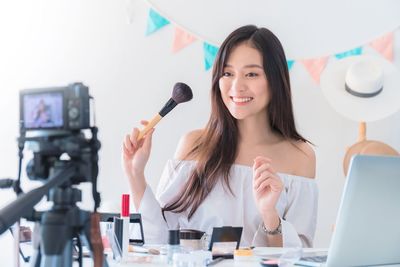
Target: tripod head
[[52, 152]]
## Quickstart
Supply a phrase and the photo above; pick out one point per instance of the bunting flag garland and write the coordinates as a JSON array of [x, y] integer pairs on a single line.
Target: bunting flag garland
[[210, 52], [181, 39], [384, 45], [314, 66], [155, 22], [290, 64], [353, 52]]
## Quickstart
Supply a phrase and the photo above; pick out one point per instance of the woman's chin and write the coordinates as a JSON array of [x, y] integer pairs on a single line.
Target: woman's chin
[[239, 116]]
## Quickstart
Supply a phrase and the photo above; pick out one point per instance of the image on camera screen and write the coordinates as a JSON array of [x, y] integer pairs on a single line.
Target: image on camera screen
[[43, 110]]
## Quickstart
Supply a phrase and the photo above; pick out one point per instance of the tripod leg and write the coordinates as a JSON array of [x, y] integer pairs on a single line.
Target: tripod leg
[[16, 230], [56, 237], [62, 260], [35, 259]]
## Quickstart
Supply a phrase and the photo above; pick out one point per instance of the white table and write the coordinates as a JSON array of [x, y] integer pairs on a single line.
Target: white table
[[259, 253], [254, 261]]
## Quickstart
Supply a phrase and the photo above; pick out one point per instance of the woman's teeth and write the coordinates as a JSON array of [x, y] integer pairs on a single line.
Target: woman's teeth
[[241, 99]]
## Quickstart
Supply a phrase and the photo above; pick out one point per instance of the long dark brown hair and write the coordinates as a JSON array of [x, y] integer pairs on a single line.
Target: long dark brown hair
[[216, 149]]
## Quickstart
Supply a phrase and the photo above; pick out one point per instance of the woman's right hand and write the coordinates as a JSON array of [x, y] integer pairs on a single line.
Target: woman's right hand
[[135, 153]]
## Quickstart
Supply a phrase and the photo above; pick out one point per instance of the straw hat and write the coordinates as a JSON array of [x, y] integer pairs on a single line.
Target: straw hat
[[362, 88]]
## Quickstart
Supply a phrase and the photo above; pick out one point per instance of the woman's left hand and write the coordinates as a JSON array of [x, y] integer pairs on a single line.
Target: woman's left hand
[[267, 186]]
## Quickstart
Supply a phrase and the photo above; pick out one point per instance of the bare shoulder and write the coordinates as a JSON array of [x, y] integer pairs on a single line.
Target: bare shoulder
[[186, 144], [304, 158]]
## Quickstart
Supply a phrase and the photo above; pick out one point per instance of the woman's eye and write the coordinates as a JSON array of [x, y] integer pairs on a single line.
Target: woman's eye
[[252, 74], [226, 74]]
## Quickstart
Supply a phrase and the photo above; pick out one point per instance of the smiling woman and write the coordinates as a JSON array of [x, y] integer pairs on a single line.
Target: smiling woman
[[248, 167]]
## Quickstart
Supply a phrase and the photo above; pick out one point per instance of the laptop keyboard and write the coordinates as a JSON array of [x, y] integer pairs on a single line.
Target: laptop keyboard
[[321, 258]]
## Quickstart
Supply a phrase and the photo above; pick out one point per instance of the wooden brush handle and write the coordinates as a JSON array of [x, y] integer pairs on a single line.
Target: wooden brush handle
[[149, 126], [362, 131]]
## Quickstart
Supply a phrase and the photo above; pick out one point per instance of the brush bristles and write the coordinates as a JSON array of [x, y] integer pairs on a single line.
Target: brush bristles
[[181, 93]]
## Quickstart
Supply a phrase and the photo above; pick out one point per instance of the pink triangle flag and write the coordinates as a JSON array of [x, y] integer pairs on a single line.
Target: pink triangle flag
[[315, 66], [384, 45], [181, 39]]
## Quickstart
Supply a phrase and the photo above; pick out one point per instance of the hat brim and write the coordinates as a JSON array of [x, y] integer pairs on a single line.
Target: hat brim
[[359, 108]]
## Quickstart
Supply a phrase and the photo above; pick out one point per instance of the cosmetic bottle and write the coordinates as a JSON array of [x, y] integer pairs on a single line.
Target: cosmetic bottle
[[173, 245]]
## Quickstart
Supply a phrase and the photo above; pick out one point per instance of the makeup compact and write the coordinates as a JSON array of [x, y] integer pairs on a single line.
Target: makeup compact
[[192, 239], [224, 240]]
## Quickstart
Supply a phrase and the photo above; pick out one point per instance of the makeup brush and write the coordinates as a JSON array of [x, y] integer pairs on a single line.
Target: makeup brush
[[137, 249], [181, 93]]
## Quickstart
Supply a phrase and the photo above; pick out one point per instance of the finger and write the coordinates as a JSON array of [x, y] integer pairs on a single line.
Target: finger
[[264, 185], [148, 139], [260, 160], [277, 184], [264, 176], [134, 136], [128, 144], [140, 142], [274, 182], [256, 164], [125, 151], [260, 169], [264, 168], [126, 154], [144, 122]]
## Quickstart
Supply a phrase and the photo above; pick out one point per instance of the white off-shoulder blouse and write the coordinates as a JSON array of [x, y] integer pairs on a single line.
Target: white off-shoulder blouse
[[297, 207]]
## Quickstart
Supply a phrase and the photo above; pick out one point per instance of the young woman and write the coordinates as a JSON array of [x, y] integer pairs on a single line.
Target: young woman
[[248, 167]]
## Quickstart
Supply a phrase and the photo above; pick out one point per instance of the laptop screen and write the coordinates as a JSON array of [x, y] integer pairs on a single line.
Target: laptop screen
[[367, 228]]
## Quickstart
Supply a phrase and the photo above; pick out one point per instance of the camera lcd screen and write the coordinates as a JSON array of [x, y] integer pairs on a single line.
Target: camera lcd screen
[[43, 110]]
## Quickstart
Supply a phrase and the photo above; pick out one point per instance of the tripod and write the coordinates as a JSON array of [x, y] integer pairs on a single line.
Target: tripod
[[59, 226]]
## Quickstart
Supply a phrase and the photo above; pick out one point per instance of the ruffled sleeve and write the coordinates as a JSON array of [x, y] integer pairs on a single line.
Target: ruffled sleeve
[[155, 228], [299, 217]]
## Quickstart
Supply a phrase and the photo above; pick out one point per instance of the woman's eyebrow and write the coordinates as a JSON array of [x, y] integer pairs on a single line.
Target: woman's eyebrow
[[253, 66], [246, 66]]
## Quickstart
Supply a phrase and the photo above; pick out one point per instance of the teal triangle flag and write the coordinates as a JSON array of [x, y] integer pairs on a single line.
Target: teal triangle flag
[[353, 52], [210, 52], [155, 22], [290, 63]]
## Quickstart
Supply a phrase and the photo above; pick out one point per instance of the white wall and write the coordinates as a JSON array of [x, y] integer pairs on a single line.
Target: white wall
[[102, 43]]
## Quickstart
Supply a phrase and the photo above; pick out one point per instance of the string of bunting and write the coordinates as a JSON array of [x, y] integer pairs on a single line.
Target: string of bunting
[[314, 66]]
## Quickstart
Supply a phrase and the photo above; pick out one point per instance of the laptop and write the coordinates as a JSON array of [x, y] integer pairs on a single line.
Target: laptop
[[367, 228]]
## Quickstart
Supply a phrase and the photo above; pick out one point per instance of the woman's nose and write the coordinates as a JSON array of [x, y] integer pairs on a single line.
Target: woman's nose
[[238, 85]]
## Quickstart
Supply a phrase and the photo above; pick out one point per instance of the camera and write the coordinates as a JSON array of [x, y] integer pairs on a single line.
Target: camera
[[58, 108], [54, 123]]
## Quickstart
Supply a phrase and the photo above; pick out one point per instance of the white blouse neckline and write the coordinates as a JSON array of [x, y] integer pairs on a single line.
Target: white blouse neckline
[[250, 168]]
